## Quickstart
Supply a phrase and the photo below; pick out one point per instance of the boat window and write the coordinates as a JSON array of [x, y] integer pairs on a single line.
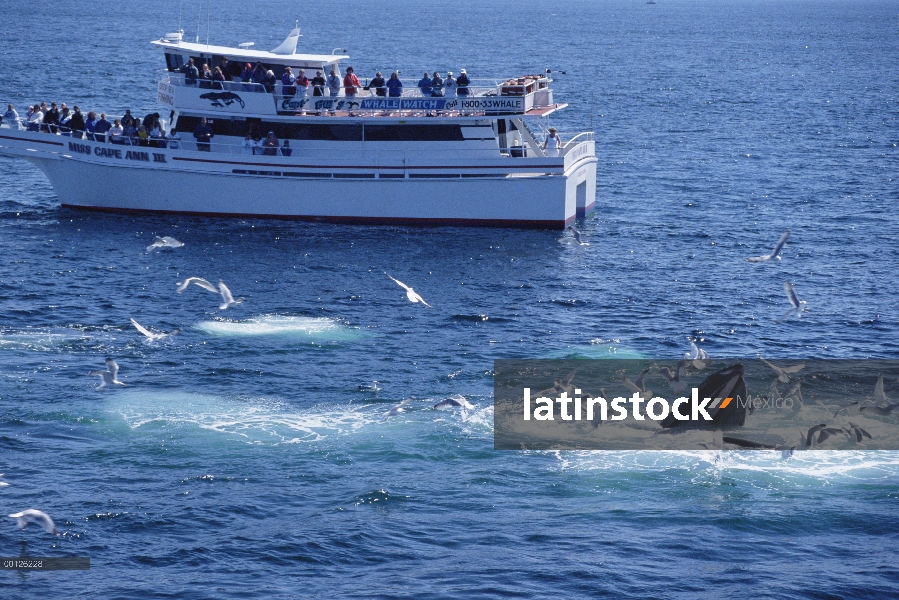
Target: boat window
[[413, 133], [174, 61]]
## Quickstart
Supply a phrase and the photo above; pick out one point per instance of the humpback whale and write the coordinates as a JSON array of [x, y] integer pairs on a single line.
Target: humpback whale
[[725, 383]]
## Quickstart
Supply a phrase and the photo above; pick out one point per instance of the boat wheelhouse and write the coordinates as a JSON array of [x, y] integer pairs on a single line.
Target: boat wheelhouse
[[468, 157]]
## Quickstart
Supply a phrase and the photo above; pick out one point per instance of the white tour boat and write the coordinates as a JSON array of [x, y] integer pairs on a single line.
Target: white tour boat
[[468, 157]]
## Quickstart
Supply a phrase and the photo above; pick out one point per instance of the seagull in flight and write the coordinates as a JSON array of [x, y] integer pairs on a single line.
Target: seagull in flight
[[561, 385], [799, 306], [34, 516], [455, 401], [410, 293], [696, 353], [152, 337], [783, 374], [638, 387], [575, 239], [774, 253], [399, 408], [182, 285], [674, 379], [109, 377], [857, 432], [164, 242], [227, 299], [879, 394]]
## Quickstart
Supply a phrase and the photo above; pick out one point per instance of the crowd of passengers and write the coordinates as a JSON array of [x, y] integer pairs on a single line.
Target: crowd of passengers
[[299, 84], [128, 130]]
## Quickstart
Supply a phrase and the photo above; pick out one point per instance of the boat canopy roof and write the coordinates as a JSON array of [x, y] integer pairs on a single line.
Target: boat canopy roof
[[285, 54]]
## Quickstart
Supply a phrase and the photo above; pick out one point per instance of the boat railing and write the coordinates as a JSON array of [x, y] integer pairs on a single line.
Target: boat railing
[[586, 136], [364, 91]]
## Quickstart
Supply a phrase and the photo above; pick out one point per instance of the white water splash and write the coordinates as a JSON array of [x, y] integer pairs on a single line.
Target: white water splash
[[317, 328]]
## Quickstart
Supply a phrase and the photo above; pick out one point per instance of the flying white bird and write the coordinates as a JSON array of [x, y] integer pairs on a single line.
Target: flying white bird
[[774, 253], [164, 242], [561, 385], [575, 239], [799, 306], [410, 293], [152, 337], [110, 376], [34, 516], [783, 372], [182, 285], [227, 299], [399, 408], [638, 387], [456, 401]]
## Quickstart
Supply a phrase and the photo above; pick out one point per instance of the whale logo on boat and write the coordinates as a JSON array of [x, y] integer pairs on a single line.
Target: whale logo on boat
[[223, 99]]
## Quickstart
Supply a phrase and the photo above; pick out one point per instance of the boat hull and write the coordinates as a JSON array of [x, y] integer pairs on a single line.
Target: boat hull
[[197, 183]]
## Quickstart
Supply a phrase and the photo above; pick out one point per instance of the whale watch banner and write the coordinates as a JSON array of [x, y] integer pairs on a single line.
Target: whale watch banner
[[696, 404]]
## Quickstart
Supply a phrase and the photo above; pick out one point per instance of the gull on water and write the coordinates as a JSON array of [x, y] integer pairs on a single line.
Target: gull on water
[[798, 306], [783, 372], [152, 337], [3, 483], [164, 242], [455, 401], [575, 239], [399, 408], [774, 253], [696, 353], [34, 516], [109, 377], [410, 293]]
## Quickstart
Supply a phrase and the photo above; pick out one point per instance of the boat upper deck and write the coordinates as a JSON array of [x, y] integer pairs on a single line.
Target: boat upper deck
[[235, 92]]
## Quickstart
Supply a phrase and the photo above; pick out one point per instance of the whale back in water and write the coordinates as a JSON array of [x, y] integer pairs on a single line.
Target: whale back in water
[[726, 383]]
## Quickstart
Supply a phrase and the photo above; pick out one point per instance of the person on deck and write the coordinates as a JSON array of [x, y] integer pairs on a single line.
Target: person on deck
[[35, 118], [191, 72], [436, 85], [102, 127], [270, 145], [302, 88], [203, 134], [378, 84], [115, 132], [318, 84], [287, 83], [350, 83], [449, 85], [90, 126], [394, 86], [424, 84], [173, 140], [462, 83], [65, 118], [286, 150], [553, 143], [76, 123], [11, 116], [51, 118]]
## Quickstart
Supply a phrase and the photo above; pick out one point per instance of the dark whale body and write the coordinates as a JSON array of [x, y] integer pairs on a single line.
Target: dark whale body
[[726, 383]]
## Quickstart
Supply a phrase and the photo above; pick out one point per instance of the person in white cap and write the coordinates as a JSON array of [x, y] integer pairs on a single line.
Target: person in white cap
[[462, 83], [449, 84]]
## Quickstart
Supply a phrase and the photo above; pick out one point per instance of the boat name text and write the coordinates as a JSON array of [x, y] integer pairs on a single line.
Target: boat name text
[[118, 153]]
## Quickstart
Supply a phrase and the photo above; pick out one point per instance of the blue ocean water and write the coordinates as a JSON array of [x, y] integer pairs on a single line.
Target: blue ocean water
[[249, 456]]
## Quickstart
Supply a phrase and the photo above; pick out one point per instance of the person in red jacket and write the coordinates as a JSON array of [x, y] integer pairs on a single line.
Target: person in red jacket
[[351, 83]]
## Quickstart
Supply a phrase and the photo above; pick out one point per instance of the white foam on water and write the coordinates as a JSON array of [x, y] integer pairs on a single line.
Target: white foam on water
[[317, 328], [45, 339], [814, 466], [254, 420]]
